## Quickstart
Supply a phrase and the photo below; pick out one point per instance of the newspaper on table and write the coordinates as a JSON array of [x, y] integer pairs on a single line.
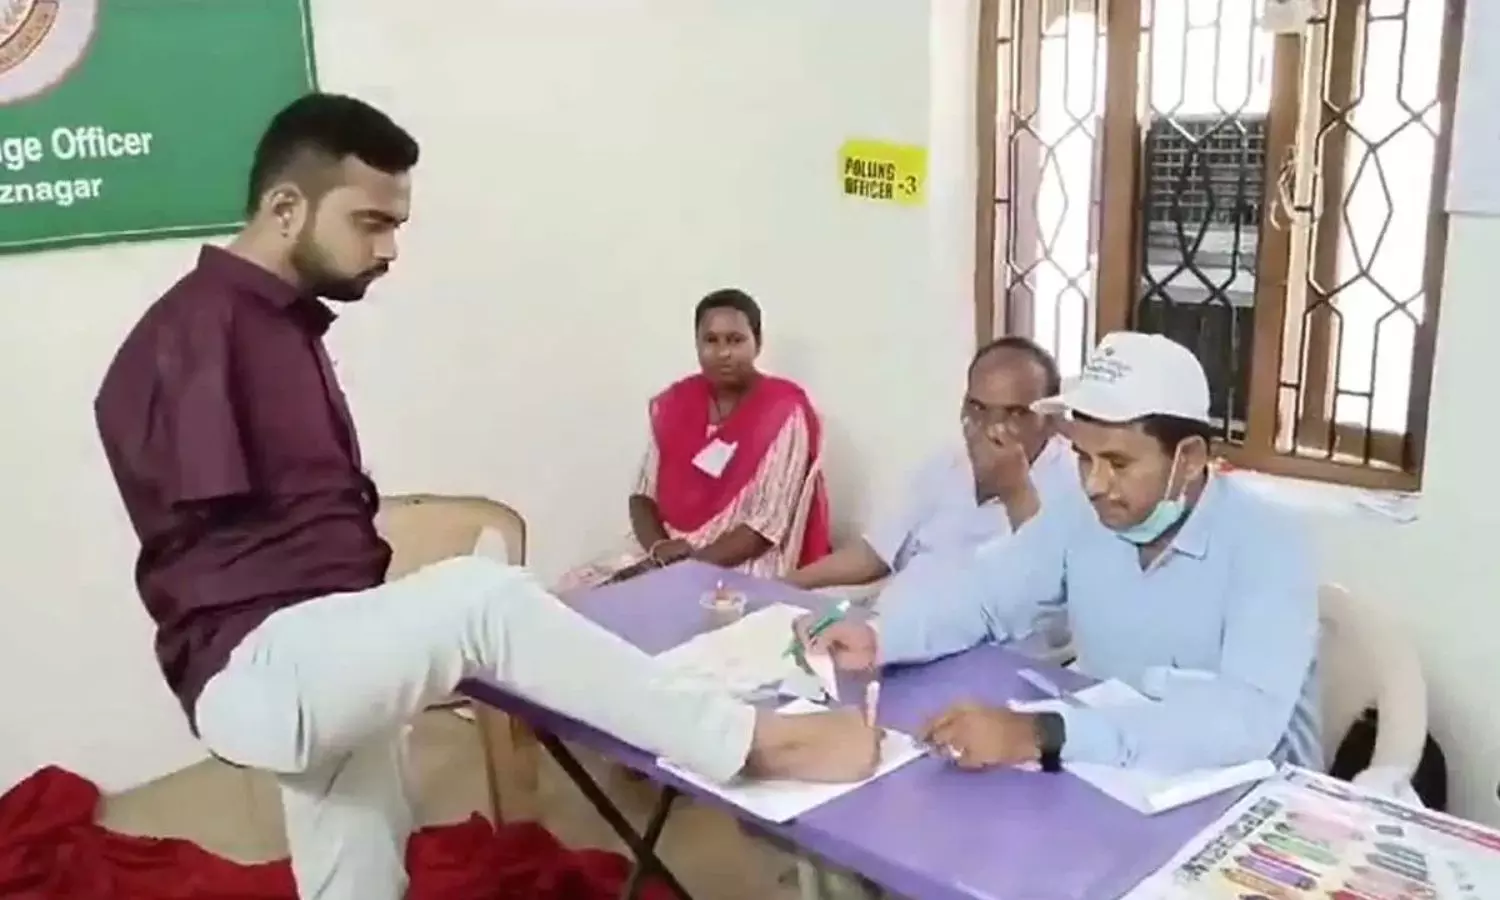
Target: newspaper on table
[[1300, 835]]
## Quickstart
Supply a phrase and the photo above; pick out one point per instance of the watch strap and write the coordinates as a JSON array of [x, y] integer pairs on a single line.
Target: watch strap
[[1051, 732]]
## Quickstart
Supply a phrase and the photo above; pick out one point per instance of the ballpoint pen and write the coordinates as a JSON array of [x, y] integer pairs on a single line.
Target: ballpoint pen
[[794, 649]]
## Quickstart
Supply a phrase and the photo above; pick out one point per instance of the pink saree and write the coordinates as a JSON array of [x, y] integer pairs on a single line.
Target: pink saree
[[688, 497]]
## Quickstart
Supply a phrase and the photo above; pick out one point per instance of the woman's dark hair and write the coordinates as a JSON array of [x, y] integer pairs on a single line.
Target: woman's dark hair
[[1171, 431], [1168, 431], [730, 298]]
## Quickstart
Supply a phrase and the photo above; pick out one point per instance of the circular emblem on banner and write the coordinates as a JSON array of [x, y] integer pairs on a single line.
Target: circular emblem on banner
[[40, 43]]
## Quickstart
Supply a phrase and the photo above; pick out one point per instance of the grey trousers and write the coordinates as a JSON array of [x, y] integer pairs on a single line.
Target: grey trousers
[[321, 694]]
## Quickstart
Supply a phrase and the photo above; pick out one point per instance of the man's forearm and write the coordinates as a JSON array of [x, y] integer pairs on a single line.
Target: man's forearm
[[1022, 505], [854, 564], [931, 609], [735, 547], [943, 603], [645, 521]]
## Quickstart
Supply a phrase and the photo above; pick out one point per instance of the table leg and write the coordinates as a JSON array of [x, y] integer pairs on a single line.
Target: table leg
[[643, 846], [511, 760], [654, 828]]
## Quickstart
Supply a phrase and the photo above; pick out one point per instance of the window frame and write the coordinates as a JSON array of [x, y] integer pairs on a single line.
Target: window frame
[[1377, 459]]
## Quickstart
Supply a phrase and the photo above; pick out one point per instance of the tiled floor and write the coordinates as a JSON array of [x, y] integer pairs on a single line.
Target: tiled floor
[[704, 848]]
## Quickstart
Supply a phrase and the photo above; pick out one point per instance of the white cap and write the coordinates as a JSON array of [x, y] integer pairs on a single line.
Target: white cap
[[1132, 375]]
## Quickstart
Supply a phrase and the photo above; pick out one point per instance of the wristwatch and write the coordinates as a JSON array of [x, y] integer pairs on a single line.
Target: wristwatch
[[1051, 732]]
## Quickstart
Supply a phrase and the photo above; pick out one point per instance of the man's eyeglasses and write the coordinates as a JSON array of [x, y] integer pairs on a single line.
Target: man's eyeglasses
[[984, 415]]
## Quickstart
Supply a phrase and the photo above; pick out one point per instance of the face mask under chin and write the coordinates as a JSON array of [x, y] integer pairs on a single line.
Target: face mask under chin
[[1167, 512]]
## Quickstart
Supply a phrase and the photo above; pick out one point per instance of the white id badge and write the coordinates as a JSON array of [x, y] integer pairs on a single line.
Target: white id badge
[[713, 459]]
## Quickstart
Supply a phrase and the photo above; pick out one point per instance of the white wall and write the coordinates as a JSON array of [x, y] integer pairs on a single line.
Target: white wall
[[1439, 574], [590, 169]]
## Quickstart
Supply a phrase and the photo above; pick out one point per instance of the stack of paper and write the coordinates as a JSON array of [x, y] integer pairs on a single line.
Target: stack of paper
[[782, 801], [1145, 791], [1151, 793], [748, 658]]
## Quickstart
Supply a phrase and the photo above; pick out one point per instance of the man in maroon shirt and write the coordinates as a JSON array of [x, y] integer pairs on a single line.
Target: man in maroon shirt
[[237, 460]]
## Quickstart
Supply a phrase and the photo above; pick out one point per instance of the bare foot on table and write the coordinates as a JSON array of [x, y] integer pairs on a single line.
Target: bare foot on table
[[835, 746]]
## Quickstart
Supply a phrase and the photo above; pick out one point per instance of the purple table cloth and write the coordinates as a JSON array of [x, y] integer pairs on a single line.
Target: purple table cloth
[[927, 830]]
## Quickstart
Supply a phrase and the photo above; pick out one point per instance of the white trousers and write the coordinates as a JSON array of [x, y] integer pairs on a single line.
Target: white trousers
[[321, 693]]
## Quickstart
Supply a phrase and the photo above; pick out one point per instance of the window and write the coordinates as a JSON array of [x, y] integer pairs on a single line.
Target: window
[[1273, 202]]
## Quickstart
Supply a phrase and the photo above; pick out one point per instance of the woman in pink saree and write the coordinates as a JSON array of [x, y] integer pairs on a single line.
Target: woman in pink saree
[[725, 475]]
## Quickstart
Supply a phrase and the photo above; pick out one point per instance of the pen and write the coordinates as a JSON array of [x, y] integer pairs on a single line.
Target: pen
[[818, 627], [872, 699]]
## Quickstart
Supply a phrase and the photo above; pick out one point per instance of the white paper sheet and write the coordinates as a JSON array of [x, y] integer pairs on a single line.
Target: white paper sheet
[[1099, 696], [1151, 793], [745, 657], [1144, 791], [826, 673], [782, 801]]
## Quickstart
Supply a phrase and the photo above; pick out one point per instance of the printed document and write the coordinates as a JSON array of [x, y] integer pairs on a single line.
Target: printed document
[[782, 801]]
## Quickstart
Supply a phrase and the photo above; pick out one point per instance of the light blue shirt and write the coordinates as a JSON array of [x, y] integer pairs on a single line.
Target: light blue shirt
[[942, 515], [1221, 629]]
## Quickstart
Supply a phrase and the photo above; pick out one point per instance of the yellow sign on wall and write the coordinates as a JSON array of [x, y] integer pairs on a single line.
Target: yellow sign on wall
[[883, 172]]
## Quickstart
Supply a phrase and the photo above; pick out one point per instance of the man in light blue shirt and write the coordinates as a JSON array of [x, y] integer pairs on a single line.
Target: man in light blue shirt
[[951, 507], [1183, 584]]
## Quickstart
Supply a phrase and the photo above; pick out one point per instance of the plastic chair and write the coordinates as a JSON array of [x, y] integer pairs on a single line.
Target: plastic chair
[[1366, 661], [423, 529]]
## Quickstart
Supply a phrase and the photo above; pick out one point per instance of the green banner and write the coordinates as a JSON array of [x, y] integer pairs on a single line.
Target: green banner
[[136, 119]]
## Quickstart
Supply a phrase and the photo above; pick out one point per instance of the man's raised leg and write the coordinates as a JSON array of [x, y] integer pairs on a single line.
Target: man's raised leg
[[324, 679]]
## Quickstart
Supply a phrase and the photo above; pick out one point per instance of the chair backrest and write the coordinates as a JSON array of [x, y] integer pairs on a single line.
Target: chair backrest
[[1366, 661], [426, 528], [798, 529]]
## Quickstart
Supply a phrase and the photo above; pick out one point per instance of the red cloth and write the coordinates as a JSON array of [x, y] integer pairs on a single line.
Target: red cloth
[[51, 849], [686, 496]]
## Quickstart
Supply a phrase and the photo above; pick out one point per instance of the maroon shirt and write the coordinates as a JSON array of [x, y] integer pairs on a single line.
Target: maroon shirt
[[234, 452]]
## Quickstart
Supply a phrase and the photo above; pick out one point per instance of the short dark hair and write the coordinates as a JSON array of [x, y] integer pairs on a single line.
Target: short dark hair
[[729, 298], [325, 129], [1171, 431], [1027, 347]]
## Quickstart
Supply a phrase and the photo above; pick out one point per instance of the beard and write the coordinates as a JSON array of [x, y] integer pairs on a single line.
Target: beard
[[319, 278]]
